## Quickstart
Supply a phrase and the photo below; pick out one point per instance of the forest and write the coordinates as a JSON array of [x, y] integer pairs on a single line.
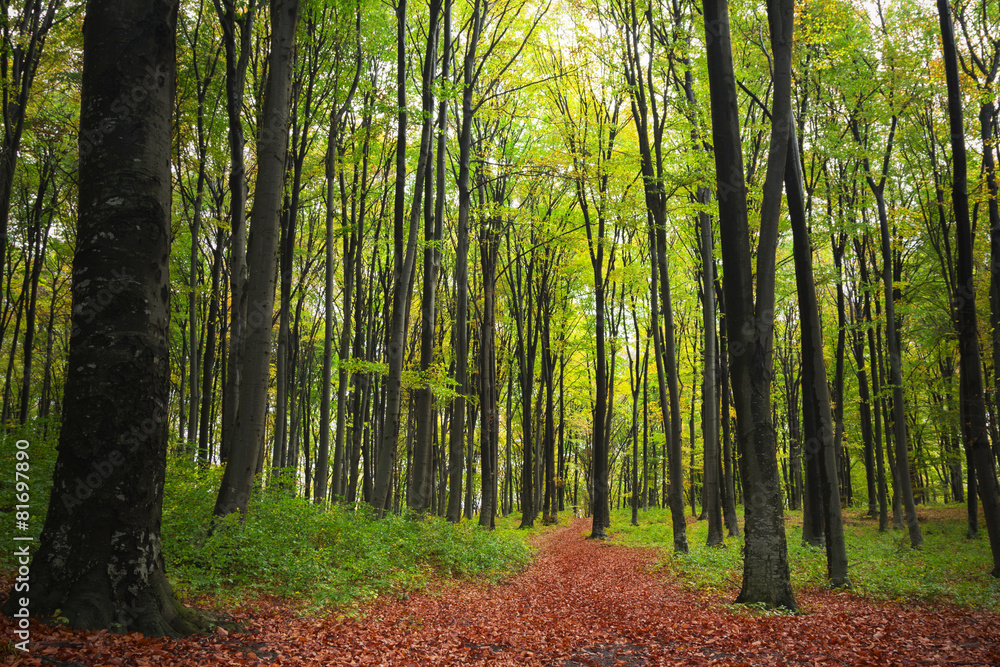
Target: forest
[[483, 259]]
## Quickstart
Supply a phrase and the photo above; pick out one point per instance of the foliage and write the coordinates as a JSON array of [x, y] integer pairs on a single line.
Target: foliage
[[41, 450], [334, 557], [882, 566]]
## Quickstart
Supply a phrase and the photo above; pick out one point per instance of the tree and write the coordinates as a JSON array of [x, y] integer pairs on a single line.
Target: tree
[[262, 255], [99, 562], [237, 57], [971, 381], [24, 31], [818, 420], [649, 118], [404, 241], [334, 159], [749, 323]]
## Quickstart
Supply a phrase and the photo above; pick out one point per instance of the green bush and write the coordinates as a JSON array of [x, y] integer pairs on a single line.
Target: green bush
[[334, 557], [41, 461], [949, 567]]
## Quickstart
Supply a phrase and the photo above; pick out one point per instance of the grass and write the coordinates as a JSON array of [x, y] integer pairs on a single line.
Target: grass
[[949, 567], [327, 558], [339, 558], [334, 558]]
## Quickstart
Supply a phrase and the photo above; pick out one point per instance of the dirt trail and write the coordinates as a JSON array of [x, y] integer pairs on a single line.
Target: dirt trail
[[580, 603]]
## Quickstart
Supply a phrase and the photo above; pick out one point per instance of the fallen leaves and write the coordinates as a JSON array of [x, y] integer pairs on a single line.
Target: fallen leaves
[[580, 603]]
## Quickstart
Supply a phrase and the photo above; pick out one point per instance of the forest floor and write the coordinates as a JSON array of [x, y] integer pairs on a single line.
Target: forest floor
[[581, 602]]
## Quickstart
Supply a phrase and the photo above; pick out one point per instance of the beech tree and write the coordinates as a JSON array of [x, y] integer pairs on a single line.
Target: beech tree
[[750, 323], [99, 562], [262, 256], [973, 407]]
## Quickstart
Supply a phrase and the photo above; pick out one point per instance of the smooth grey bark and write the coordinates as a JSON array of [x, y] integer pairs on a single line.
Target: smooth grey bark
[[262, 255], [99, 563]]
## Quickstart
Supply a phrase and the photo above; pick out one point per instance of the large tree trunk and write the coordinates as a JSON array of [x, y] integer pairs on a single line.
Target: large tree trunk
[[272, 145], [970, 379], [99, 562], [765, 565]]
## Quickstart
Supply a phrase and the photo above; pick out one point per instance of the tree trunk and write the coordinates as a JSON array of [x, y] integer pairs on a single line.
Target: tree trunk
[[404, 258], [765, 565], [902, 467], [819, 434], [421, 499], [710, 423], [272, 145], [970, 379], [99, 562], [25, 30], [237, 58]]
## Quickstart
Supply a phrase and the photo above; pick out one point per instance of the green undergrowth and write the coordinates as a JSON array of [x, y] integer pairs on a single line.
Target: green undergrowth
[[35, 459], [949, 567], [333, 558]]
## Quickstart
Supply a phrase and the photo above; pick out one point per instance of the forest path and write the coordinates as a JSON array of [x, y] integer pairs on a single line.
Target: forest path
[[581, 602]]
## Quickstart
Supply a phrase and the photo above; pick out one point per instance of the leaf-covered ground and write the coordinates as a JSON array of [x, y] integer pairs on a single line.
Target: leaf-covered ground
[[581, 603]]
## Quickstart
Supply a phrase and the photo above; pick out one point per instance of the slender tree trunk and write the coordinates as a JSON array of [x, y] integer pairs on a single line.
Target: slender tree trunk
[[729, 483], [970, 379], [237, 58], [820, 439], [25, 31], [272, 145], [710, 423], [422, 499], [902, 467], [39, 243], [208, 365]]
